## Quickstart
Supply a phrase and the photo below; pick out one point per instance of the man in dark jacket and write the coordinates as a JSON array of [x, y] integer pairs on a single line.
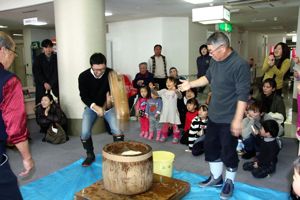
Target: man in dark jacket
[[45, 71]]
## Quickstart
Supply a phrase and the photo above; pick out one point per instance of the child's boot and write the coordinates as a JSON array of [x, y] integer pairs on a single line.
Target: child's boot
[[151, 135], [164, 136], [146, 134], [142, 134], [158, 135], [176, 137]]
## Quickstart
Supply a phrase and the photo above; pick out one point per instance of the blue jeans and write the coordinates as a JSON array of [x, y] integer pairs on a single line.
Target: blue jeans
[[251, 143], [90, 117]]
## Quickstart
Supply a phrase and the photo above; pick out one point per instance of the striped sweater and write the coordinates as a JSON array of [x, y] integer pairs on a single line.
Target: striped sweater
[[196, 126]]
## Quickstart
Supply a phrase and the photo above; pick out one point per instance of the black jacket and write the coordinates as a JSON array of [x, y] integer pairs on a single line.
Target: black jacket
[[55, 115], [45, 72]]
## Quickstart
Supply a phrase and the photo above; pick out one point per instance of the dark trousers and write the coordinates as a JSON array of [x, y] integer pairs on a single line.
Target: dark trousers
[[8, 184], [198, 148], [260, 172], [161, 82], [251, 144], [219, 143]]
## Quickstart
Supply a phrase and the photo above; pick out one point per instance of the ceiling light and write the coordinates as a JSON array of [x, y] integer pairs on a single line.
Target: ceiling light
[[198, 1], [218, 21], [215, 13], [39, 23], [17, 34], [3, 26], [291, 34], [235, 10], [277, 27], [294, 38], [108, 14], [259, 20]]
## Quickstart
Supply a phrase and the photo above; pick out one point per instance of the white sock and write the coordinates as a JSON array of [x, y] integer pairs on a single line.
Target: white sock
[[230, 175], [216, 168]]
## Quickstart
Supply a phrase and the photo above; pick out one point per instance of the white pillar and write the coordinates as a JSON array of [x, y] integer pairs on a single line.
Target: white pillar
[[80, 32]]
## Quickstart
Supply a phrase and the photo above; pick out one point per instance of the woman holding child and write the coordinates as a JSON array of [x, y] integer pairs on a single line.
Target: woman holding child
[[252, 122]]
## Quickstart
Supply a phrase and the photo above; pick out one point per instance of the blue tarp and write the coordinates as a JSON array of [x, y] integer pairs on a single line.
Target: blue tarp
[[64, 183]]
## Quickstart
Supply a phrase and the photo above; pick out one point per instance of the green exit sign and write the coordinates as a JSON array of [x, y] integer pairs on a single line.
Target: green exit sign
[[225, 27]]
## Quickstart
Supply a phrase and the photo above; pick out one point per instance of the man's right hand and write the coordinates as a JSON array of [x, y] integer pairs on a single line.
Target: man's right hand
[[100, 111], [47, 86], [184, 86], [140, 82]]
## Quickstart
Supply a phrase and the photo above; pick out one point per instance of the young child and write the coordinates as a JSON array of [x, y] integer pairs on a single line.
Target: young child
[[197, 131], [254, 119], [181, 104], [153, 110], [267, 159], [295, 192], [192, 112], [169, 112], [140, 108]]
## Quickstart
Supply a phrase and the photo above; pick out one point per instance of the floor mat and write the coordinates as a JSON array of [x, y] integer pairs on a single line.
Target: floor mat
[[64, 183]]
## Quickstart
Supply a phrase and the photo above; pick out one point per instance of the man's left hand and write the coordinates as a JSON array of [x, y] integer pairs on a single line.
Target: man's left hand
[[28, 165], [236, 127]]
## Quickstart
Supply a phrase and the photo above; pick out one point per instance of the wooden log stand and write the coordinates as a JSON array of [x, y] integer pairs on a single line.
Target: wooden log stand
[[162, 188]]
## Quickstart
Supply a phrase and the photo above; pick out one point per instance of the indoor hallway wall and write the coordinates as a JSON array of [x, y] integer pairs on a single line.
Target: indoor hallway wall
[[256, 51], [252, 46], [273, 40], [133, 42], [235, 37], [175, 36], [197, 37]]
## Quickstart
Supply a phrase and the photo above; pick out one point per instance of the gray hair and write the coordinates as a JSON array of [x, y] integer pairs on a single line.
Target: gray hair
[[5, 40], [217, 39], [143, 63]]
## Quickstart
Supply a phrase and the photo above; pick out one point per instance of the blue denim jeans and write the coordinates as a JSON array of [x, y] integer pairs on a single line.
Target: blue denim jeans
[[251, 143], [90, 117]]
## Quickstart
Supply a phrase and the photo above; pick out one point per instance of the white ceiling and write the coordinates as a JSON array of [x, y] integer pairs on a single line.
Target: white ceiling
[[285, 10]]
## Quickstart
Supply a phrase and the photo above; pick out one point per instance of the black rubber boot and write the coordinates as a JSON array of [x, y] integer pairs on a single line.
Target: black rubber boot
[[118, 138], [88, 146]]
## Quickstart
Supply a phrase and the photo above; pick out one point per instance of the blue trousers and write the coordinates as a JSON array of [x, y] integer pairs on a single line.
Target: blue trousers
[[9, 188], [90, 117], [251, 143]]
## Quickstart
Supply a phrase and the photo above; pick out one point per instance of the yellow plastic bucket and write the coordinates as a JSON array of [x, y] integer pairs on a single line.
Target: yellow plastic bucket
[[163, 163]]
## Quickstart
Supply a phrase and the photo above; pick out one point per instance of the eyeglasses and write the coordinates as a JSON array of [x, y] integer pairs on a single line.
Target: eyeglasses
[[211, 52], [99, 70], [15, 53]]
